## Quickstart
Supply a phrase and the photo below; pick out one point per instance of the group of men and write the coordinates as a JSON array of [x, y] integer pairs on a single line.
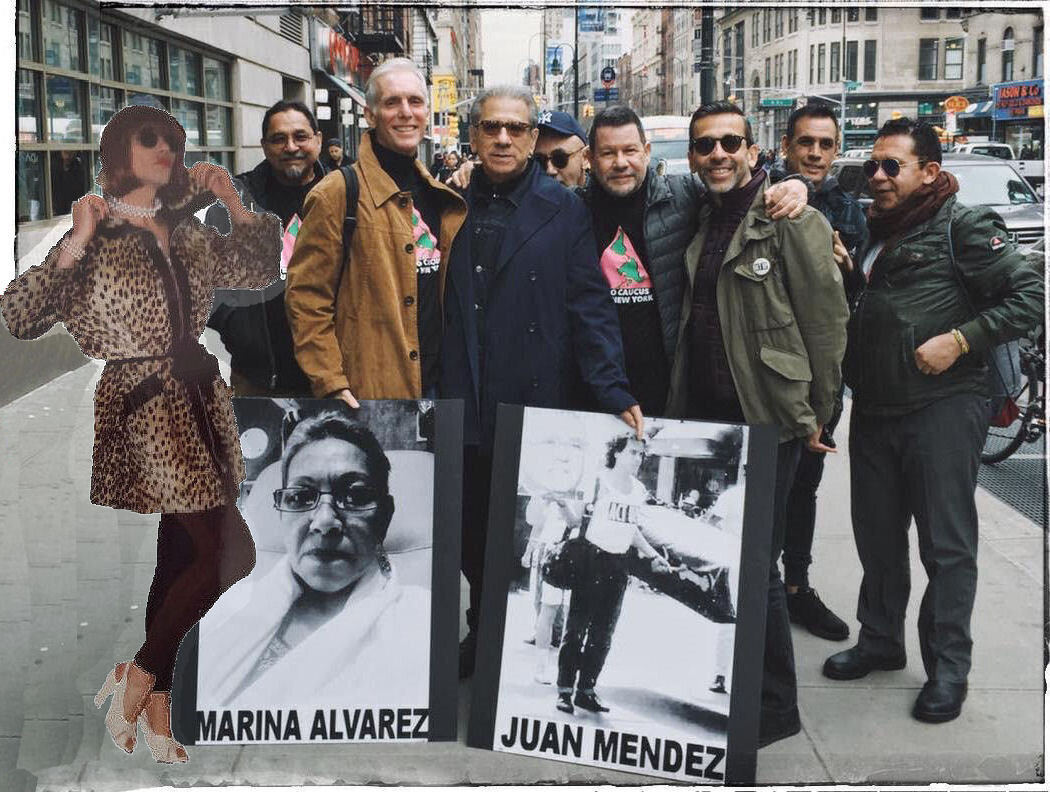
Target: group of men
[[714, 296]]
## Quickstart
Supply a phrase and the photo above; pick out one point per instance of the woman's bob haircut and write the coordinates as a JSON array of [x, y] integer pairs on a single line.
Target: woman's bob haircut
[[114, 146]]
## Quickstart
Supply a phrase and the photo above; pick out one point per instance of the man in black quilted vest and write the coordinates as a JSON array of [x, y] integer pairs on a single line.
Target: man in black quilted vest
[[643, 223]]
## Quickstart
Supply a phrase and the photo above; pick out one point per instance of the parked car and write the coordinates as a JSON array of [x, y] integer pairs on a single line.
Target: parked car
[[983, 181], [1032, 169]]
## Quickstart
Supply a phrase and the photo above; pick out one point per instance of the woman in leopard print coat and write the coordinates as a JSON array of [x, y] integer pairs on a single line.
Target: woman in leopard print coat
[[132, 281]]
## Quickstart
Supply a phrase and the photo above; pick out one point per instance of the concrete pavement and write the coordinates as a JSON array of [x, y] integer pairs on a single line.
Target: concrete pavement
[[73, 585]]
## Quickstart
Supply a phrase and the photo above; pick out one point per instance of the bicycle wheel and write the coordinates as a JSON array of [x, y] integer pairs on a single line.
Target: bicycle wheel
[[1002, 441]]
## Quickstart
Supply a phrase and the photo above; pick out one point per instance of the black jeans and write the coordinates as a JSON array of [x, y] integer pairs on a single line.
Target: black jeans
[[922, 465], [477, 476], [199, 556], [779, 686], [594, 610]]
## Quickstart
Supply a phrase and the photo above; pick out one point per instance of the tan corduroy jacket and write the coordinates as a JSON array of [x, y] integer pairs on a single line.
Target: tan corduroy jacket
[[355, 322]]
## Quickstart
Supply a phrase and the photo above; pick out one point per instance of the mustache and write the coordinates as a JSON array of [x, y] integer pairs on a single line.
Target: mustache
[[298, 155]]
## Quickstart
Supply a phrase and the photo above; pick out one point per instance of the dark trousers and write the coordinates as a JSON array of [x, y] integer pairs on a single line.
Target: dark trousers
[[594, 610], [802, 508], [477, 476], [199, 556], [922, 465], [779, 686]]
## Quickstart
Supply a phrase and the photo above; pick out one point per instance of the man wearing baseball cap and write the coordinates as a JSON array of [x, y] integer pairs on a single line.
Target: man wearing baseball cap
[[561, 148]]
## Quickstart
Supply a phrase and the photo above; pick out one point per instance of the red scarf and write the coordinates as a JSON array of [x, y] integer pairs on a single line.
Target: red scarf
[[917, 208]]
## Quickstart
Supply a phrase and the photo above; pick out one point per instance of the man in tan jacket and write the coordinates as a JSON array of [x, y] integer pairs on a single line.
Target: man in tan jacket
[[368, 324]]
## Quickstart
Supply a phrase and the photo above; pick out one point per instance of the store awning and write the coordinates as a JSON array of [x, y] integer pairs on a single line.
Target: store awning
[[346, 88], [981, 110]]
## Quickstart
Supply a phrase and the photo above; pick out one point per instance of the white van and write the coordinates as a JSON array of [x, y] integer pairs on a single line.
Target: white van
[[669, 136]]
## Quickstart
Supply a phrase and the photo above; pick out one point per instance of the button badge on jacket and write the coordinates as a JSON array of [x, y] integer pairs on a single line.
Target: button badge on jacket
[[761, 266]]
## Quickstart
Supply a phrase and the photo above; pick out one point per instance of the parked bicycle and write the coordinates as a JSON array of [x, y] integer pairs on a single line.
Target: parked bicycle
[[1030, 423]]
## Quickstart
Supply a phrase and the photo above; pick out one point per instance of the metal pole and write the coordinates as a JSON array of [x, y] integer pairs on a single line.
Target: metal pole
[[575, 63], [842, 69]]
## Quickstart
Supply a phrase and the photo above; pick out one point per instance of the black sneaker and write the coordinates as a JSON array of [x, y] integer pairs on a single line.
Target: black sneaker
[[589, 702], [467, 649], [565, 703], [806, 609]]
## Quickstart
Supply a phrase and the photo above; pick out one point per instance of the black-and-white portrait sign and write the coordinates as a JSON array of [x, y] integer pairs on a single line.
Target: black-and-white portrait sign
[[333, 637], [612, 623]]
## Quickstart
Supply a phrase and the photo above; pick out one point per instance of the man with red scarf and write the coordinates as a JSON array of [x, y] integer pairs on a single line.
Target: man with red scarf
[[941, 286]]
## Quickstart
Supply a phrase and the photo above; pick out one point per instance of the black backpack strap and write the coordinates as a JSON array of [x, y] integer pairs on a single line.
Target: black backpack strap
[[353, 193]]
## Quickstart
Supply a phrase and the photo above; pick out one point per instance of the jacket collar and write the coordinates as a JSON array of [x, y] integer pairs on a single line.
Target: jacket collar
[[378, 184], [258, 177]]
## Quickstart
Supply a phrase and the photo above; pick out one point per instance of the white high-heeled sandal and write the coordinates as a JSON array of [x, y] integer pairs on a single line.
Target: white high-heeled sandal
[[122, 731], [164, 747]]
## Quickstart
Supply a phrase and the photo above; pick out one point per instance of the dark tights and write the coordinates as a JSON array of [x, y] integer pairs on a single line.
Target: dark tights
[[199, 556]]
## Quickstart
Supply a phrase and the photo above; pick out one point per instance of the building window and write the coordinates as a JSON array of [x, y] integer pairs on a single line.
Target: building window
[[62, 31], [27, 106], [184, 71], [953, 59], [767, 72], [765, 25], [754, 30], [820, 64], [851, 60], [812, 63], [727, 54], [953, 13], [927, 59], [822, 16], [982, 61], [853, 14], [28, 32], [778, 23], [1037, 52], [65, 110], [836, 16], [1008, 54], [104, 103], [102, 50], [869, 60], [738, 55], [871, 14], [792, 20], [834, 72], [929, 13], [142, 60]]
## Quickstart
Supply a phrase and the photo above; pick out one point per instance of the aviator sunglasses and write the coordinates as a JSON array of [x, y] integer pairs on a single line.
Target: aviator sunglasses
[[149, 136], [705, 145], [558, 157], [890, 167], [491, 127]]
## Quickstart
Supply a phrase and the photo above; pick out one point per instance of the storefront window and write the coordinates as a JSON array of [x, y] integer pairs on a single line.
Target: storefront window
[[63, 29], [28, 108], [104, 103], [184, 70], [27, 30], [220, 126], [189, 115], [65, 110], [142, 60], [69, 174], [29, 188], [147, 99], [100, 50], [216, 86]]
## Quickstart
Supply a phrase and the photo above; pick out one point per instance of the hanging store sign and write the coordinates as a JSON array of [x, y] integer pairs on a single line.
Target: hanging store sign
[[331, 53], [1013, 101]]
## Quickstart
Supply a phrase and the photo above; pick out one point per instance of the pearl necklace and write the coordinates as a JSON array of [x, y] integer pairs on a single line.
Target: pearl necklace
[[121, 209]]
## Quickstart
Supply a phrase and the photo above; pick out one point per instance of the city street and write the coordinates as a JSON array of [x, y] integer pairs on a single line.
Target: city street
[[73, 584]]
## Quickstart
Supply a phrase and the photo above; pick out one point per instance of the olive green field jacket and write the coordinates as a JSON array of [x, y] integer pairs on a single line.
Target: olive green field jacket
[[783, 313]]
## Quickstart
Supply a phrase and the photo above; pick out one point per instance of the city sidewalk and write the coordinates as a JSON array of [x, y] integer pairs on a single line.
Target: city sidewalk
[[73, 585]]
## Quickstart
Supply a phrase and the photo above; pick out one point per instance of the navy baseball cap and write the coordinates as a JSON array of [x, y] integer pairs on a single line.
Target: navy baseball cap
[[561, 123]]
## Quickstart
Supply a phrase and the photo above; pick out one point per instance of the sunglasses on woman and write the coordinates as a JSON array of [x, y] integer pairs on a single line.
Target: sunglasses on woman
[[705, 145], [355, 498], [491, 127], [558, 157], [890, 167], [149, 136]]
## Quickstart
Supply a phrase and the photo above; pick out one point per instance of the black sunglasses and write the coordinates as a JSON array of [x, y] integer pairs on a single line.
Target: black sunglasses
[[890, 167], [558, 157], [705, 145], [491, 127], [149, 136]]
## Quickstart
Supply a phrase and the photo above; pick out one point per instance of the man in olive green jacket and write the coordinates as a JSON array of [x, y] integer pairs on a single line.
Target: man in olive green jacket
[[761, 339]]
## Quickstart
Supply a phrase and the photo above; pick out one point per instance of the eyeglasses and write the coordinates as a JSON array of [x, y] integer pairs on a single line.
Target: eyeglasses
[[808, 141], [301, 138], [149, 136], [491, 127], [558, 157], [705, 145], [890, 167], [354, 498]]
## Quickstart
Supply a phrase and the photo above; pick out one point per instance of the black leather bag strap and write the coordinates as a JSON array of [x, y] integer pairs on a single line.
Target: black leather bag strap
[[353, 193]]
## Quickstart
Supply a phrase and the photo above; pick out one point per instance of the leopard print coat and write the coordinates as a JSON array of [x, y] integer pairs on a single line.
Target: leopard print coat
[[165, 435]]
